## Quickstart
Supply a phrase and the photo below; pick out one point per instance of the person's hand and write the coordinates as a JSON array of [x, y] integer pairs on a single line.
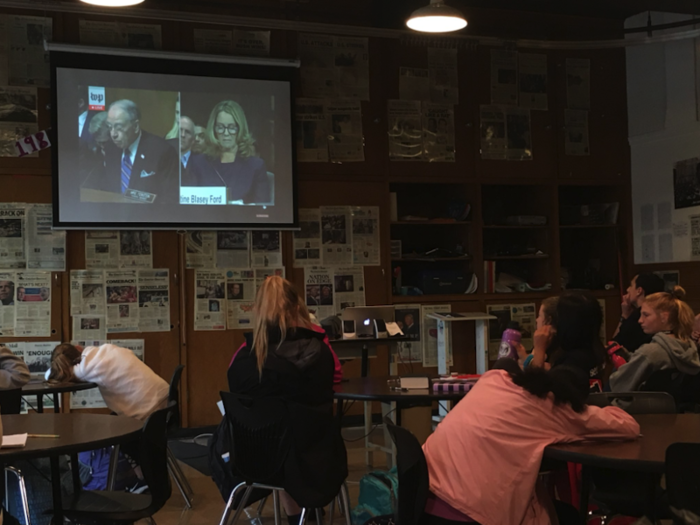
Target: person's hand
[[543, 337], [626, 306], [522, 351], [695, 335]]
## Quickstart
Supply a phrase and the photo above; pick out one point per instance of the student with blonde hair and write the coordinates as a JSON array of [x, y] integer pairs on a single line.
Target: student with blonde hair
[[669, 320], [287, 357]]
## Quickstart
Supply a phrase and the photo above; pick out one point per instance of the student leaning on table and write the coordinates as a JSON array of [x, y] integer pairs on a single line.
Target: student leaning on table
[[13, 370], [128, 386], [484, 457]]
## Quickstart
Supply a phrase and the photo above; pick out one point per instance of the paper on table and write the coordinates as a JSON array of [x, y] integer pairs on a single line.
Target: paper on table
[[14, 441], [393, 329]]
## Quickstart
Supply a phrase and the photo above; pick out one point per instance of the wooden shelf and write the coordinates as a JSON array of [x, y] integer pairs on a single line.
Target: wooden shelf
[[447, 298], [518, 295], [596, 293], [516, 227], [515, 257], [431, 259], [586, 226], [430, 223]]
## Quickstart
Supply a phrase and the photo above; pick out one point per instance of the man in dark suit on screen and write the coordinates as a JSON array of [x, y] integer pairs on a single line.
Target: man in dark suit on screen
[[141, 161]]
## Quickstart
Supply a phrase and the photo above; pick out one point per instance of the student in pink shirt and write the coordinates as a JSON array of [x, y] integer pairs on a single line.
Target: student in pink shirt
[[484, 458]]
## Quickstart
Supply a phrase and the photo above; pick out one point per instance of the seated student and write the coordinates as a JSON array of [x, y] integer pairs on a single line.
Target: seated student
[[546, 316], [128, 386], [484, 457], [286, 357], [629, 333], [695, 335], [14, 372], [669, 320]]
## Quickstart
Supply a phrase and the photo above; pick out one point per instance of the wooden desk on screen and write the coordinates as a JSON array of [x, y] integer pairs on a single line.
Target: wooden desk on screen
[[93, 195]]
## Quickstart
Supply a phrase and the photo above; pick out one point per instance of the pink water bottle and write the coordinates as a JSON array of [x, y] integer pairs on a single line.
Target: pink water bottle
[[510, 341]]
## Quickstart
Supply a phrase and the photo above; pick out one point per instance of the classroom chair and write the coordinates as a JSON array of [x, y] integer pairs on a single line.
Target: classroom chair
[[11, 403], [173, 426], [683, 483]]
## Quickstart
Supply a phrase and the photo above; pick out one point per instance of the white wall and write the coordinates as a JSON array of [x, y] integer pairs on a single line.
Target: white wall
[[663, 129]]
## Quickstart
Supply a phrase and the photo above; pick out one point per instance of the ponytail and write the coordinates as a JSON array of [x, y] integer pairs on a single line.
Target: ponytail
[[568, 385], [63, 358], [680, 314]]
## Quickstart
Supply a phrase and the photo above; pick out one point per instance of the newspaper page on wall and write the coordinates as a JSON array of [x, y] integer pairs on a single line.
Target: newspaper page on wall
[[210, 300], [578, 83], [266, 248], [4, 50], [344, 122], [200, 251], [312, 133], [349, 287], [232, 249], [442, 72], [12, 235], [352, 67], [532, 81], [263, 273], [28, 61], [121, 292], [336, 235], [317, 55], [118, 34], [240, 298], [365, 236], [87, 292], [213, 41], [405, 130], [89, 328], [101, 249], [318, 287], [307, 240], [37, 356], [7, 303], [135, 249], [414, 84], [439, 131], [408, 317], [576, 136], [524, 314], [18, 119], [505, 133], [46, 248], [154, 300], [251, 43], [33, 304], [504, 77], [430, 345]]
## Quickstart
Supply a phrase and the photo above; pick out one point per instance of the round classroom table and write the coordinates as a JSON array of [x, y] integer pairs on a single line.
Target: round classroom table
[[40, 389], [76, 433]]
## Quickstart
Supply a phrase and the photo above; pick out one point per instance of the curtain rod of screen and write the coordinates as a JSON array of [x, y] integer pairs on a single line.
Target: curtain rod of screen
[[48, 6]]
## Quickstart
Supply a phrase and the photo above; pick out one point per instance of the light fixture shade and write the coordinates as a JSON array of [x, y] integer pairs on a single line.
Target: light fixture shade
[[113, 3], [436, 18]]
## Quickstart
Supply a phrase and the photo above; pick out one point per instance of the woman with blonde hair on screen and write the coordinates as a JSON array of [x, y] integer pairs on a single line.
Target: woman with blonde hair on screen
[[230, 158]]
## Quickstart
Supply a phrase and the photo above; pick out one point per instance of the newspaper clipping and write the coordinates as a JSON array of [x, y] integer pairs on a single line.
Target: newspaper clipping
[[154, 300], [251, 43], [266, 249], [349, 286], [408, 318], [46, 248], [505, 133], [7, 303], [523, 314], [12, 232], [240, 297], [33, 304], [439, 129], [504, 77], [336, 235], [442, 73], [352, 67], [318, 283], [365, 236], [28, 61], [414, 84], [210, 300], [232, 249], [122, 301], [576, 136], [344, 121], [89, 328], [213, 41], [307, 240], [37, 356], [430, 334], [405, 130], [263, 273], [312, 134], [578, 83], [118, 34], [87, 292], [101, 249], [532, 81], [317, 54], [18, 115], [200, 249], [135, 249]]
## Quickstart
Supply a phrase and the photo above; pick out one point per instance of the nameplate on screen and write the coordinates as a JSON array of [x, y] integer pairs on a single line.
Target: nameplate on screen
[[203, 195], [140, 196]]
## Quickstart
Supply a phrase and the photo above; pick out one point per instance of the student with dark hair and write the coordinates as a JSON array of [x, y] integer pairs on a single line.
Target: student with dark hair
[[629, 333], [484, 457]]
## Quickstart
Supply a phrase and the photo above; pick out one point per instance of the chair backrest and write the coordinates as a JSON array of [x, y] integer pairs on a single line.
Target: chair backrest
[[682, 480], [11, 401], [154, 444], [174, 397], [636, 402], [260, 433], [413, 475]]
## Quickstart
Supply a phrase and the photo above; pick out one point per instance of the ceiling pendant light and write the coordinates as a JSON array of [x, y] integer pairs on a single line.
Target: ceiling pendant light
[[436, 18], [113, 3]]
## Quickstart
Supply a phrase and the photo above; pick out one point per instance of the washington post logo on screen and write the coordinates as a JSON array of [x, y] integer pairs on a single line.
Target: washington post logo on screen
[[97, 98]]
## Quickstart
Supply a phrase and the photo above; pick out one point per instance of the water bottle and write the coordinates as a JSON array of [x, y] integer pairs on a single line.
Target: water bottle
[[510, 341]]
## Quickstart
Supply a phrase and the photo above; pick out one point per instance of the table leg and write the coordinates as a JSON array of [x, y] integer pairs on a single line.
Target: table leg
[[75, 470], [585, 493], [113, 463], [56, 491], [56, 403], [369, 456], [339, 412], [387, 409], [40, 403], [365, 360]]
